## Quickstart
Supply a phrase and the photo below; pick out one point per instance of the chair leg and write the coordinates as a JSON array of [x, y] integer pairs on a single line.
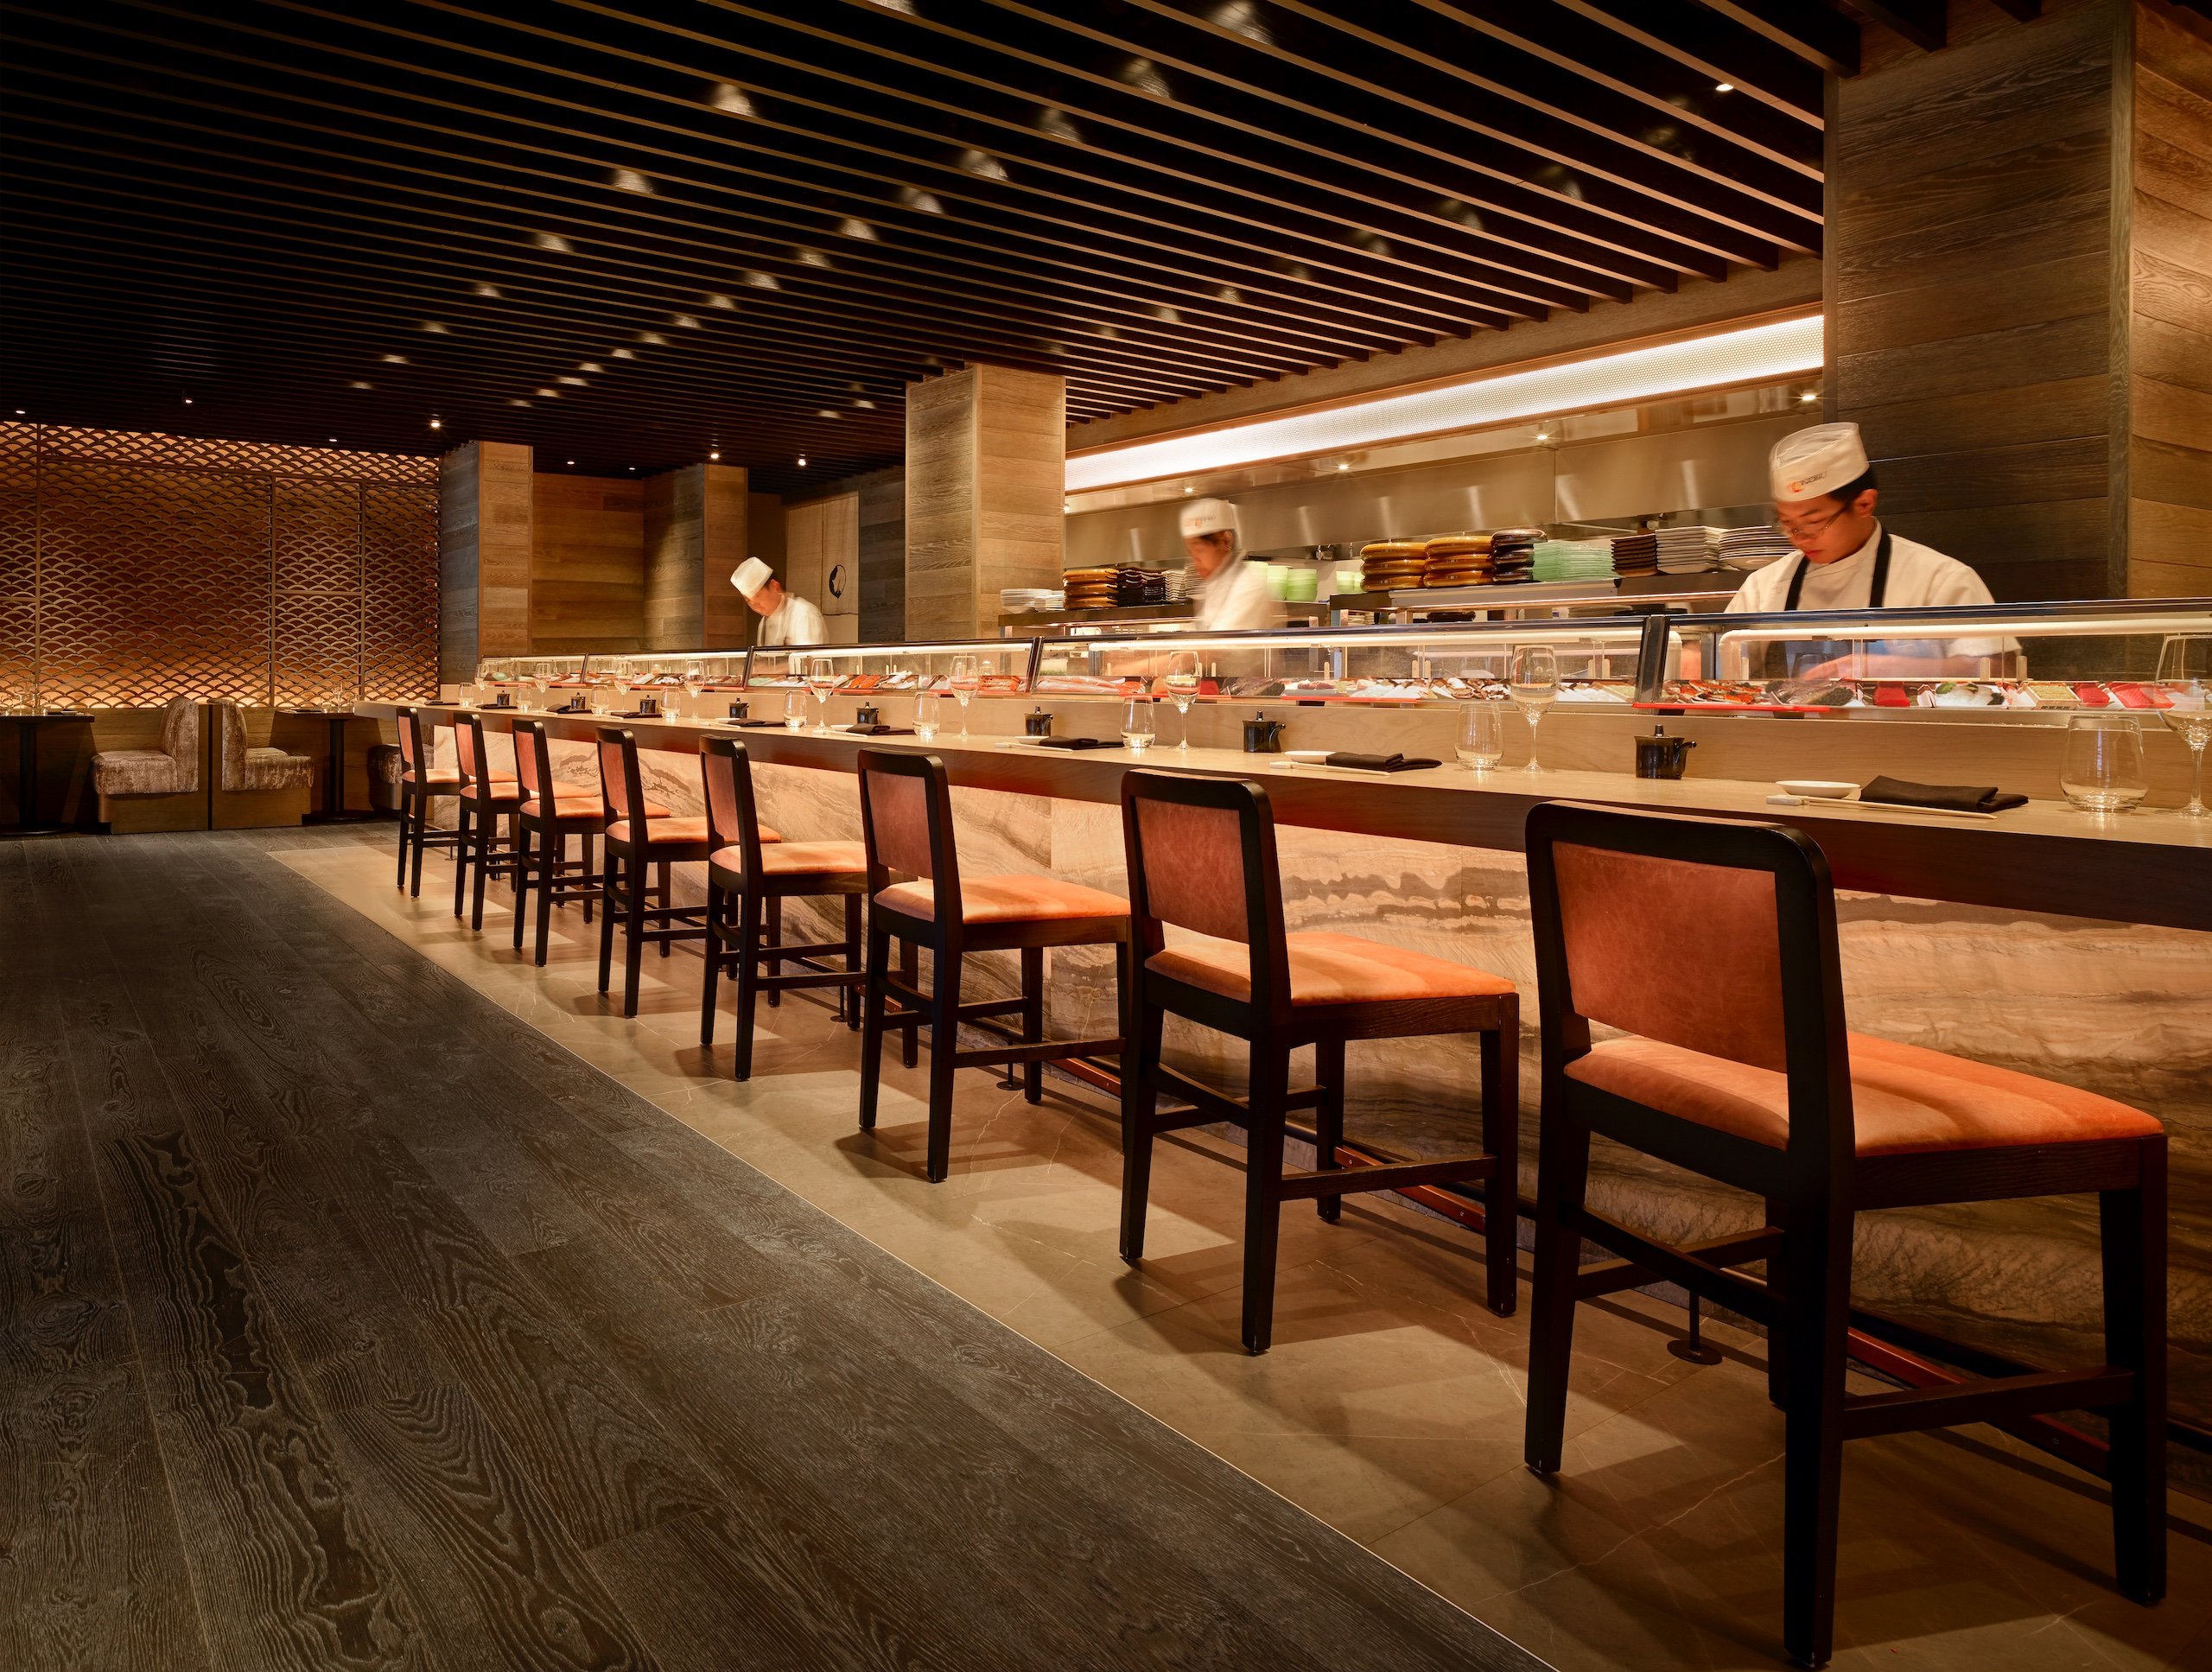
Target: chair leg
[[1268, 1083], [774, 918], [848, 998], [421, 832], [607, 918], [748, 979], [553, 854], [872, 997], [488, 847], [712, 977], [400, 881], [590, 844], [2133, 1229], [461, 862], [1140, 1057], [1778, 1340], [1818, 1243], [1329, 1119], [1032, 1019], [665, 946], [637, 882], [523, 848], [944, 1044], [1502, 1139], [1562, 1176], [910, 1039]]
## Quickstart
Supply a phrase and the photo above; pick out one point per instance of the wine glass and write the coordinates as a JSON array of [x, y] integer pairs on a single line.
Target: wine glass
[[1136, 724], [821, 678], [2103, 771], [2185, 675], [1534, 685], [1481, 737], [967, 674], [926, 719], [1182, 683]]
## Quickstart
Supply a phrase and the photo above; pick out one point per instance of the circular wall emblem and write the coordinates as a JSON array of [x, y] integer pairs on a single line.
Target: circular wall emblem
[[837, 580]]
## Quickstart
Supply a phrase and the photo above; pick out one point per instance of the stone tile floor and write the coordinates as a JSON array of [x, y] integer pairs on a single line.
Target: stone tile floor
[[1391, 1404]]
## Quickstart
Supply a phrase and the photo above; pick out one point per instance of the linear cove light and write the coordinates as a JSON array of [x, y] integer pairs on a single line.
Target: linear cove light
[[1752, 354]]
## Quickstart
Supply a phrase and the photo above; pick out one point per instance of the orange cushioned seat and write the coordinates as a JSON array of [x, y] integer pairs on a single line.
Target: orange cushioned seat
[[436, 775], [570, 801], [1329, 968], [498, 784], [661, 832], [1905, 1099], [799, 858], [1008, 900]]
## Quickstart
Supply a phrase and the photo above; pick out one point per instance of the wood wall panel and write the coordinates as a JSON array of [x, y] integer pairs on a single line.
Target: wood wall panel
[[725, 541], [821, 559], [882, 556], [675, 530], [986, 474], [586, 565], [2170, 299]]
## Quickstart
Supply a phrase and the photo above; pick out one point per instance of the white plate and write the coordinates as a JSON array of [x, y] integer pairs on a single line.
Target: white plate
[[1821, 788]]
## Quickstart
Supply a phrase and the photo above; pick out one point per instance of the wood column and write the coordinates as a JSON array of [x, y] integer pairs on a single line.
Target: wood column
[[883, 556], [2020, 292], [695, 534], [484, 556], [986, 469]]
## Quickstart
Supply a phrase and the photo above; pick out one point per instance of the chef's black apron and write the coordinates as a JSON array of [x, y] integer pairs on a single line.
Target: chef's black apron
[[1876, 592]]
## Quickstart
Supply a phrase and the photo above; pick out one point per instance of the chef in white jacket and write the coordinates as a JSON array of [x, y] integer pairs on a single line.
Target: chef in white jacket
[[1825, 496], [786, 619], [1232, 593]]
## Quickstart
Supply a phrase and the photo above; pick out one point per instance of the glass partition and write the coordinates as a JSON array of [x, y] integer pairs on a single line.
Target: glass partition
[[999, 667]]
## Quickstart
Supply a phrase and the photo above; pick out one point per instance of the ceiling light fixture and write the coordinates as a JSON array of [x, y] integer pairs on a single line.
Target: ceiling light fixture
[[573, 383], [714, 456], [1810, 395], [652, 338], [629, 180], [915, 198], [854, 227], [807, 257], [715, 299], [489, 292], [360, 384], [518, 401], [729, 96], [394, 360], [187, 400], [683, 321], [802, 462], [437, 423], [1754, 354], [621, 355], [759, 281], [553, 244], [434, 327], [982, 164], [1723, 86], [548, 394], [827, 412]]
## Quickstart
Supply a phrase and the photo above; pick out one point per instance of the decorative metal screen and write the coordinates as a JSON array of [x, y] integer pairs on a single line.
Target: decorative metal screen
[[136, 568]]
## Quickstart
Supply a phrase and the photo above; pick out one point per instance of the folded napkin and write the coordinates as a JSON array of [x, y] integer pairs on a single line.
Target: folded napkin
[[1378, 763], [1948, 798], [878, 730], [750, 723], [1075, 742]]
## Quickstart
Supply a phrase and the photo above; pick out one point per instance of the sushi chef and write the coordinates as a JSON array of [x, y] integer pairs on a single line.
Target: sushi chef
[[1232, 593], [1825, 496], [787, 619]]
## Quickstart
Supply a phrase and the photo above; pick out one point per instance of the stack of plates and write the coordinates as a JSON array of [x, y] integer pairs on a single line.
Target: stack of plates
[[1457, 560], [1689, 549], [1574, 560], [1390, 565], [1513, 555], [1020, 601], [1636, 554], [1133, 585], [1742, 549], [1088, 589]]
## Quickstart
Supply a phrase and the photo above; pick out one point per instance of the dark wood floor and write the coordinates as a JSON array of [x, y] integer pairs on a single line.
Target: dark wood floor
[[345, 1321]]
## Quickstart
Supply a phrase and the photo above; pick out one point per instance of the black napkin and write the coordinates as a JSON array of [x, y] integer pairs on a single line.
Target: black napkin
[[877, 731], [1075, 742], [751, 723], [1378, 763], [1949, 799]]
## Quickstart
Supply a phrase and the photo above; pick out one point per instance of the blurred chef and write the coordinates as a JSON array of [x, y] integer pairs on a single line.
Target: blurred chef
[[1231, 593], [786, 619], [1824, 503]]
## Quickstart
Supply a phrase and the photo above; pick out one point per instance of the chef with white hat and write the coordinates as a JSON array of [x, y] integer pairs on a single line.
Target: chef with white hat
[[1824, 499], [787, 619], [1231, 593]]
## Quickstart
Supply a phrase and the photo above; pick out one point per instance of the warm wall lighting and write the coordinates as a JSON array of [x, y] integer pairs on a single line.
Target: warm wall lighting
[[714, 456], [1754, 354], [802, 462], [437, 423]]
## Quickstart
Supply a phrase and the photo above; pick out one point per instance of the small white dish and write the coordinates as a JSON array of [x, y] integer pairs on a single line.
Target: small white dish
[[1820, 788]]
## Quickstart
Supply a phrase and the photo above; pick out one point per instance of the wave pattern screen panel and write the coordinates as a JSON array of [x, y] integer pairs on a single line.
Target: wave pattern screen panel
[[162, 566]]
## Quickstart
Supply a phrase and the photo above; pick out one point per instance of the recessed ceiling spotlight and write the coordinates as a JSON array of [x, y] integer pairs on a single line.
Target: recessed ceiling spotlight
[[652, 338], [827, 412], [1110, 330], [1065, 507], [358, 382], [854, 227], [905, 7], [758, 281], [915, 198], [1190, 490], [572, 383], [729, 96], [715, 455], [548, 394], [489, 292], [1810, 395], [807, 257], [1228, 293], [683, 321], [1161, 310], [518, 401], [187, 400], [865, 405], [434, 327], [715, 299], [333, 439], [590, 366], [621, 355], [1723, 86], [629, 180], [982, 164], [437, 423], [553, 244], [395, 359], [572, 461], [1344, 466], [802, 462], [1052, 120], [1144, 75]]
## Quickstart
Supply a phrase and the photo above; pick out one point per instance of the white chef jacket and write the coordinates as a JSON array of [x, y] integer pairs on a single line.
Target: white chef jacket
[[794, 622], [1920, 577], [1235, 596]]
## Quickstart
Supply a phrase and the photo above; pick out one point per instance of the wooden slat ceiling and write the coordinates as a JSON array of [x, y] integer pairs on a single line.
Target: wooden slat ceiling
[[631, 238]]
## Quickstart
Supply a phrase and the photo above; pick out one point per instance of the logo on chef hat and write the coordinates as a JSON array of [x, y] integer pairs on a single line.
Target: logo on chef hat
[[1816, 460]]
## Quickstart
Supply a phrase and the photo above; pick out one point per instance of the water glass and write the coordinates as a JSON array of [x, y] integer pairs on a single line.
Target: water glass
[[1136, 725], [795, 711], [2185, 677], [2103, 773], [926, 720], [1482, 736]]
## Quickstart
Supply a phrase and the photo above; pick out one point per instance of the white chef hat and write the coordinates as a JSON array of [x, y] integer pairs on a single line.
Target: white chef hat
[[1810, 462], [749, 576], [1208, 517]]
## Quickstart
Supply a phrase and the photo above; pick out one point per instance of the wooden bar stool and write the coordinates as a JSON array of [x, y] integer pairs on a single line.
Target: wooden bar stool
[[1741, 1069], [1202, 857], [638, 839], [906, 821], [546, 825], [486, 798], [752, 869], [418, 782]]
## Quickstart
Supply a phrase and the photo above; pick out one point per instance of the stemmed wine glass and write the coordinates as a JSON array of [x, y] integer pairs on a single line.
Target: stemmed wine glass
[[1182, 683], [1534, 685], [967, 675], [821, 678], [2185, 675]]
